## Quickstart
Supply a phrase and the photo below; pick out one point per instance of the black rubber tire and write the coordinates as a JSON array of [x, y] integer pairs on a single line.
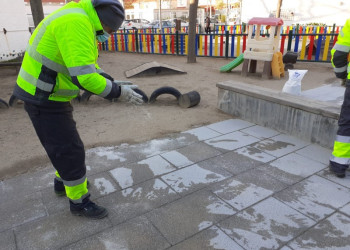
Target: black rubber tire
[[85, 97], [144, 96], [3, 104], [164, 90]]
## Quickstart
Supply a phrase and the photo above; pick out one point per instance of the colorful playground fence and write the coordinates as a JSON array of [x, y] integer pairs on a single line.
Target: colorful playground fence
[[311, 43]]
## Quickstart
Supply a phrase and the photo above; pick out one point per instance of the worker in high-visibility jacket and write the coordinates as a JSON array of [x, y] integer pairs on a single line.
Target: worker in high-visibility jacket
[[61, 59], [340, 158]]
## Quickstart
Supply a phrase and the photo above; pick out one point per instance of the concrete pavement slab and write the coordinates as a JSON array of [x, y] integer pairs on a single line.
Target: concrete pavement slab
[[332, 233], [189, 179], [211, 238], [280, 145], [102, 184], [29, 183], [315, 197], [260, 132], [135, 173], [7, 240], [235, 162], [52, 232], [177, 159], [255, 154], [203, 133], [198, 152], [330, 176], [183, 218], [231, 141], [137, 200], [229, 126], [346, 209], [268, 225], [54, 204], [247, 188], [21, 210], [292, 168], [136, 234], [316, 153]]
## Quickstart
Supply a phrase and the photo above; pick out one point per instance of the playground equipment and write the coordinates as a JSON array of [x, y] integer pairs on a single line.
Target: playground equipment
[[261, 48], [228, 67]]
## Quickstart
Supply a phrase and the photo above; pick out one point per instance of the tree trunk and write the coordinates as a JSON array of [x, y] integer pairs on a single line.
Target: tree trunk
[[278, 12], [191, 55], [37, 11]]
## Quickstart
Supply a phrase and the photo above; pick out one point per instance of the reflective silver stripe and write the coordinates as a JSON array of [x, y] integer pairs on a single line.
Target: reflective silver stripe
[[342, 161], [342, 69], [99, 71], [75, 182], [66, 92], [82, 70], [108, 89], [35, 82], [343, 139], [342, 48], [81, 198], [58, 178], [44, 86]]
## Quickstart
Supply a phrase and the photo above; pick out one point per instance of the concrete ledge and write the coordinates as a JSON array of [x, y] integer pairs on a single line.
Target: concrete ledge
[[310, 120]]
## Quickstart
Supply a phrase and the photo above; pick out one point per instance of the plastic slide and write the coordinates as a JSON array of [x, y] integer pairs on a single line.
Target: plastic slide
[[228, 67]]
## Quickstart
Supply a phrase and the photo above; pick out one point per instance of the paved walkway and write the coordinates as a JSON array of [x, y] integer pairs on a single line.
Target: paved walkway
[[228, 185]]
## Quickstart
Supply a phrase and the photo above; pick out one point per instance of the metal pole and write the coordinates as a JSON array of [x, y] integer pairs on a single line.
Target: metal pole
[[37, 11], [160, 14], [278, 12]]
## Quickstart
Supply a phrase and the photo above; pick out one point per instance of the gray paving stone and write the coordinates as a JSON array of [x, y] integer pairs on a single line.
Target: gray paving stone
[[233, 162], [286, 248], [7, 240], [21, 210], [267, 225], [101, 185], [56, 231], [198, 152], [135, 201], [194, 177], [280, 145], [231, 141], [229, 126], [177, 159], [330, 176], [159, 146], [247, 189], [29, 183], [53, 203], [255, 154], [332, 233], [136, 234], [185, 217], [346, 209], [141, 171], [260, 132], [316, 153], [203, 133], [315, 197], [293, 167], [211, 238]]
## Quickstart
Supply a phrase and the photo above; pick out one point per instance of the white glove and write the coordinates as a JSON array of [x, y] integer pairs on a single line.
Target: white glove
[[128, 95]]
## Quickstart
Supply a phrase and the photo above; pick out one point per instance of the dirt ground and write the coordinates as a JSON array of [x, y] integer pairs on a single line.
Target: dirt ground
[[104, 123]]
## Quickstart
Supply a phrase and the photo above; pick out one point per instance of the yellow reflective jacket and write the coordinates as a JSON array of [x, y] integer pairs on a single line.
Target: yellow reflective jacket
[[340, 53], [61, 57]]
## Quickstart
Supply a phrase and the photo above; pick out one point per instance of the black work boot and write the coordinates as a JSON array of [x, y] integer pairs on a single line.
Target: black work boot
[[59, 187], [338, 174], [88, 209]]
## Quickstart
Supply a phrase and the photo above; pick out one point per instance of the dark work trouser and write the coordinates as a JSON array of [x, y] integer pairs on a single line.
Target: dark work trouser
[[340, 158], [57, 133]]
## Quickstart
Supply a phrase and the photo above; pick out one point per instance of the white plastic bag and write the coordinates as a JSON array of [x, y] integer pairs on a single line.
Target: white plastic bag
[[293, 85]]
